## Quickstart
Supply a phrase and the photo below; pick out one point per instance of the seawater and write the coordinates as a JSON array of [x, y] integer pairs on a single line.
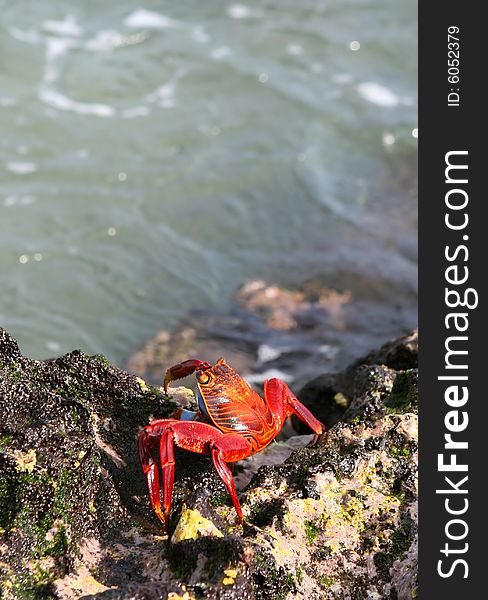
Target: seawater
[[155, 155]]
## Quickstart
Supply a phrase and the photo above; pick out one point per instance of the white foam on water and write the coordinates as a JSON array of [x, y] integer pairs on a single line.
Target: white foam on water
[[147, 19], [13, 200], [269, 374], [167, 103], [21, 168], [378, 94], [105, 40], [328, 351], [68, 27], [164, 95], [238, 11], [294, 49], [220, 52], [53, 346], [55, 48], [164, 91], [135, 111], [267, 353], [199, 34], [29, 36], [59, 101], [109, 39]]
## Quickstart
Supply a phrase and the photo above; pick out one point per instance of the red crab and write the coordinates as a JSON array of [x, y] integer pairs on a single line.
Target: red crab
[[232, 423]]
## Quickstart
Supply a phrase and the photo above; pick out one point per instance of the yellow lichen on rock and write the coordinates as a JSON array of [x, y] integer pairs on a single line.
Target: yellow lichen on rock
[[26, 461], [281, 550], [81, 456], [301, 510], [230, 573], [183, 396], [176, 596], [345, 509], [142, 384], [193, 524], [6, 581], [230, 576], [351, 505], [261, 494]]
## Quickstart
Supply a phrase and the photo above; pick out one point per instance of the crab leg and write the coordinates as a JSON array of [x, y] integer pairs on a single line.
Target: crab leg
[[183, 369], [167, 455], [283, 403], [144, 445], [196, 437], [230, 448]]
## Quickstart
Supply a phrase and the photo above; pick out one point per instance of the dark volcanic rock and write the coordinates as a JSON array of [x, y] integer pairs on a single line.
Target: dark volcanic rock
[[326, 397], [69, 474], [399, 354], [336, 520], [364, 388]]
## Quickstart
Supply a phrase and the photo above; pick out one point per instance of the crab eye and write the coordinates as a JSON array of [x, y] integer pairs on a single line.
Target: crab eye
[[204, 378]]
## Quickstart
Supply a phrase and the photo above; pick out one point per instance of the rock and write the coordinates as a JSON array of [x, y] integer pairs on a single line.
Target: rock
[[335, 520], [346, 518], [275, 454], [327, 397], [190, 339], [294, 334], [192, 525], [362, 388], [68, 468], [286, 310], [399, 354]]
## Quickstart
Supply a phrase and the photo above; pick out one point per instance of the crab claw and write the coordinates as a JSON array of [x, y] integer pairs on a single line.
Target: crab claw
[[182, 369]]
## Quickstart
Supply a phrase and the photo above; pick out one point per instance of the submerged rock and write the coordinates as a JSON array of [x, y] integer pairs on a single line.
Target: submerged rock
[[335, 520], [273, 331]]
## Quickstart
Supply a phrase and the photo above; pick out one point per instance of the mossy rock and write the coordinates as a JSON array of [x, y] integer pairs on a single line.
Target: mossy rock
[[64, 424]]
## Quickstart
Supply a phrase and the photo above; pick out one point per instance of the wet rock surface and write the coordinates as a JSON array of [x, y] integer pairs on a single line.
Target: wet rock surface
[[294, 334], [335, 520]]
